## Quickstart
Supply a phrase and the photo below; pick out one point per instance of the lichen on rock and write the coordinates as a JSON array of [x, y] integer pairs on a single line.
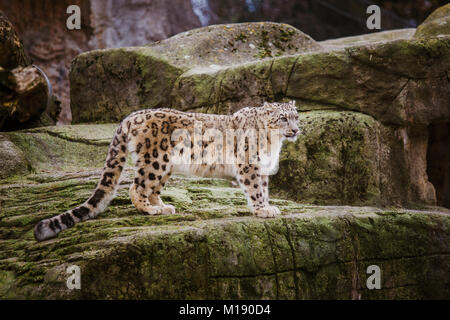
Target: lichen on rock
[[437, 23], [212, 248]]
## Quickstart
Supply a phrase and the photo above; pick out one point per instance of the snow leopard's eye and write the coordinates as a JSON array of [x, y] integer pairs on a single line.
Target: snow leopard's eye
[[284, 119]]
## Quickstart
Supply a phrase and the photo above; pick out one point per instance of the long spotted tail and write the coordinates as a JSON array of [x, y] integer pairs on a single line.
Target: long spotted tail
[[100, 199]]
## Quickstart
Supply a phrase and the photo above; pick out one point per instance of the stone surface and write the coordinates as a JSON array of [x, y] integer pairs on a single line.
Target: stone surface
[[398, 82], [51, 149], [185, 71], [13, 159], [119, 23], [232, 44], [390, 35], [344, 157], [438, 23], [212, 248]]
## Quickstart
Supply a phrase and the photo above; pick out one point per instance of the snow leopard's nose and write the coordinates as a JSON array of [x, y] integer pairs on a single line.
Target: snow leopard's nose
[[294, 131]]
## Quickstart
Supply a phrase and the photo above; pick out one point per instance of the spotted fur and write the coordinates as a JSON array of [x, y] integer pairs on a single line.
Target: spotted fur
[[148, 136]]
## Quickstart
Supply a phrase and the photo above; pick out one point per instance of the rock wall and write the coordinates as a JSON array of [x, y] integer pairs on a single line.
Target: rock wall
[[120, 23]]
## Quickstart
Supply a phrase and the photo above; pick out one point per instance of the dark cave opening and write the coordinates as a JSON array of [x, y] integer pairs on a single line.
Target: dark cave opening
[[438, 161]]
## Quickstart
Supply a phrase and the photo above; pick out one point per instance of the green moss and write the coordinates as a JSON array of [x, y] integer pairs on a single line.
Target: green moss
[[208, 249], [47, 149], [149, 77], [437, 23], [213, 248], [333, 162]]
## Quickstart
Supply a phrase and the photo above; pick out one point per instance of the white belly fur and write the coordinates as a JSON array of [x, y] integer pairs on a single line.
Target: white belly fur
[[216, 171], [269, 166]]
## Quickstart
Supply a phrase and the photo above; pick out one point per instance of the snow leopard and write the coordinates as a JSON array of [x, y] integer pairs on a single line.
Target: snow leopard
[[244, 146]]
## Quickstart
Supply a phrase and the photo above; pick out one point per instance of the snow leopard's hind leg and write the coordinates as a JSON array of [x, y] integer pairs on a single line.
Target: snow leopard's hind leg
[[152, 171]]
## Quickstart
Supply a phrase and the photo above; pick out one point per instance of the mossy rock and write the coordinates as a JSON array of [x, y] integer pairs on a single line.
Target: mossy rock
[[56, 148], [437, 23], [399, 81], [107, 85], [13, 159], [231, 44], [343, 158], [212, 248]]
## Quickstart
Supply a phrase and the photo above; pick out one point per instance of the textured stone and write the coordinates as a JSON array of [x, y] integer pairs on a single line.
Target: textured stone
[[382, 36], [342, 158], [398, 82], [200, 68], [213, 248], [55, 148], [12, 159], [438, 23]]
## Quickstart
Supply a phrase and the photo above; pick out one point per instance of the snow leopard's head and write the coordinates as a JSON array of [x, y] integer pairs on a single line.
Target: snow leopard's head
[[284, 117]]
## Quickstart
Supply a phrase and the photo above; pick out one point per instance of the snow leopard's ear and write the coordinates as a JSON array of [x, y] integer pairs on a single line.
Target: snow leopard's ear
[[267, 105], [292, 102]]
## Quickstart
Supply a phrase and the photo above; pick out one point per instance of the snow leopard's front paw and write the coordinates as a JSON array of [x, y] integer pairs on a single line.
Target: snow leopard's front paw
[[267, 212], [155, 210], [168, 209]]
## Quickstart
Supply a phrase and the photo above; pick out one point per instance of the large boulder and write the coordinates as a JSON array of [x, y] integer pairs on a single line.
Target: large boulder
[[186, 71], [13, 159], [438, 23], [346, 157], [54, 148], [222, 68], [123, 23], [363, 39], [212, 248]]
